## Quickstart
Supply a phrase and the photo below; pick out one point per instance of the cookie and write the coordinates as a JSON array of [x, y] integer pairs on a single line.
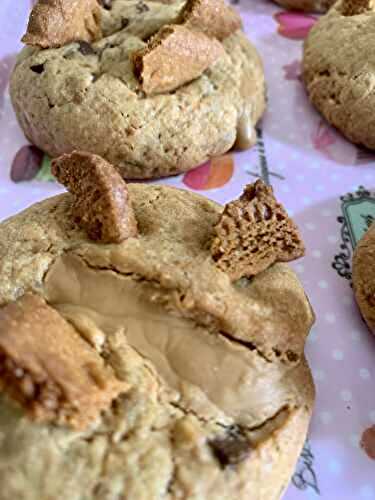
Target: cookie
[[337, 69], [307, 5], [91, 95], [364, 276], [207, 394]]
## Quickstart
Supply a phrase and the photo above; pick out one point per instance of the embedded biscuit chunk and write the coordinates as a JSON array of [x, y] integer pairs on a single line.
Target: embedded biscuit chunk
[[49, 369], [213, 17], [173, 57], [54, 23], [355, 7], [102, 205], [253, 233]]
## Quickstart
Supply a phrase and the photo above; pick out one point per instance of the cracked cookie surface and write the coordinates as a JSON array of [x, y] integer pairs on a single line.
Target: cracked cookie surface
[[217, 384], [85, 96], [338, 69]]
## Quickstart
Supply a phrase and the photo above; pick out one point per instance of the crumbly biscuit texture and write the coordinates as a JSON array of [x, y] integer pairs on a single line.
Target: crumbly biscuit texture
[[214, 17], [54, 23], [364, 276], [48, 369], [102, 205], [85, 96], [153, 309], [338, 69], [355, 7], [253, 233], [173, 57]]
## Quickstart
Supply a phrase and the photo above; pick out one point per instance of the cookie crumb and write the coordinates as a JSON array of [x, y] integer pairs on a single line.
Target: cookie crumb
[[173, 57], [101, 200], [253, 233], [49, 369], [213, 17], [54, 23]]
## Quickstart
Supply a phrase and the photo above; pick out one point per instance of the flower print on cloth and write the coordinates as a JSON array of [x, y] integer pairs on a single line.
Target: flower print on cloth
[[328, 141], [30, 163], [294, 25], [215, 173], [293, 70]]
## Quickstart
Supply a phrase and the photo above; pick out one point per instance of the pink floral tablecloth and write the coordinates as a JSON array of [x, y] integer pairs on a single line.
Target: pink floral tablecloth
[[325, 182]]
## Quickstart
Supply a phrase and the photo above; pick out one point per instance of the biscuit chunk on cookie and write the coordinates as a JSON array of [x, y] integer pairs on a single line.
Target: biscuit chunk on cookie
[[173, 57], [101, 205], [54, 23], [213, 17], [253, 233], [49, 369]]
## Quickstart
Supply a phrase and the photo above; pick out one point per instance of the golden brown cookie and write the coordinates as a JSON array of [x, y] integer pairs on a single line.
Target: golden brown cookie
[[338, 70], [364, 276], [154, 309], [86, 96]]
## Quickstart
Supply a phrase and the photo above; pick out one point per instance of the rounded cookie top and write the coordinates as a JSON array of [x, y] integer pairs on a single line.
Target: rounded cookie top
[[338, 70], [86, 96], [364, 276], [216, 386], [307, 5]]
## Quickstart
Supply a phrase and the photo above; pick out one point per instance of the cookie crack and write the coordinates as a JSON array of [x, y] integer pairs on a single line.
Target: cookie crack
[[191, 412], [248, 345], [173, 476]]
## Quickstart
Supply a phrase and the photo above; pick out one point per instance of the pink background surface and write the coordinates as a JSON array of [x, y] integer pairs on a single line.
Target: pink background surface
[[310, 166]]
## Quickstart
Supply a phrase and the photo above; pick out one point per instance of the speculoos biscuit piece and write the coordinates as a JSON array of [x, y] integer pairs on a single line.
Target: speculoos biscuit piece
[[49, 369], [173, 57], [253, 233], [54, 23], [101, 200]]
